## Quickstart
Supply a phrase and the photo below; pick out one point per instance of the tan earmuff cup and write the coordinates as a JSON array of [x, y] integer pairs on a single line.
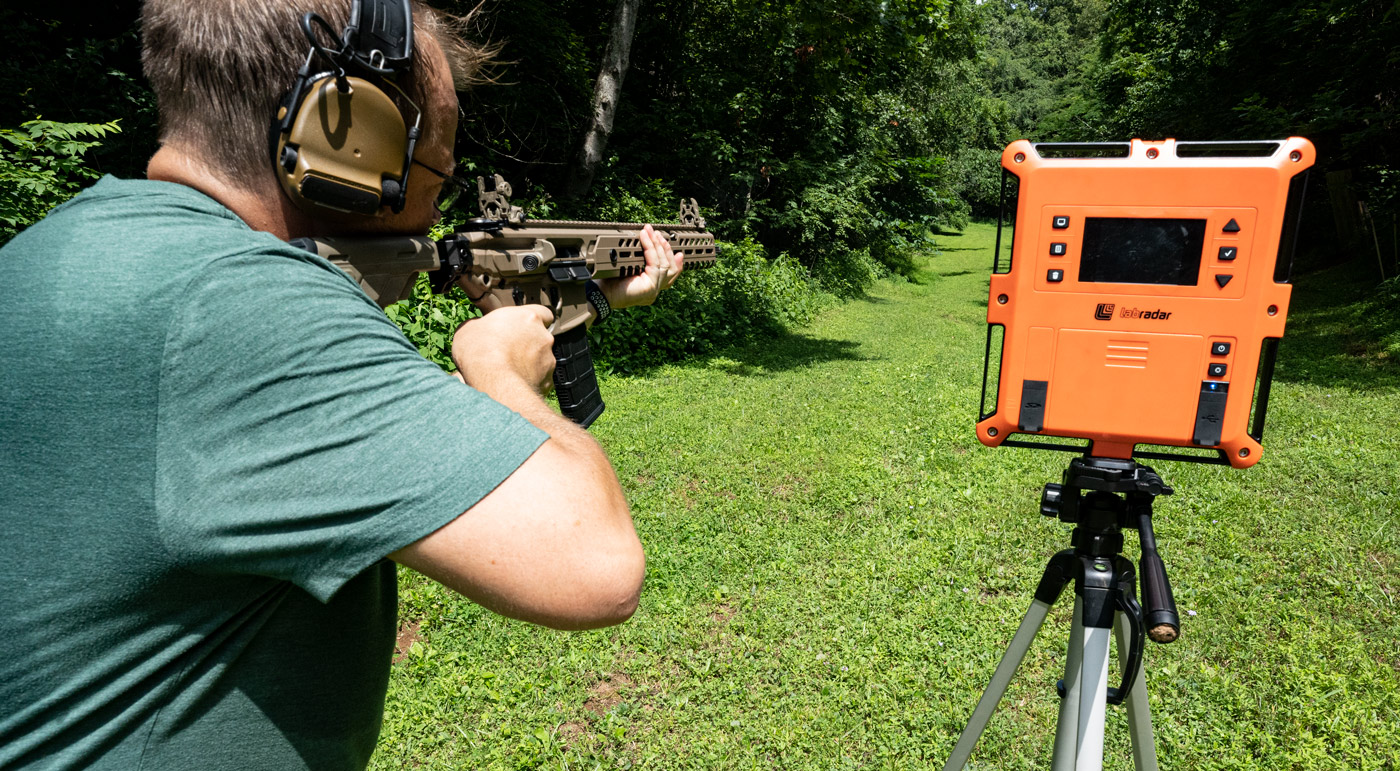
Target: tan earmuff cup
[[346, 144]]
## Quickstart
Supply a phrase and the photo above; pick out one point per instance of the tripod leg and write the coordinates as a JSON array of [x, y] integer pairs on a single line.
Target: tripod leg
[[1079, 735], [1067, 727], [1139, 715], [1010, 661]]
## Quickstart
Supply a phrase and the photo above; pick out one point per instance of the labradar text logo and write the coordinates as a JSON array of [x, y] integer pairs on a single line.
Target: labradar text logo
[[1105, 313], [1134, 313]]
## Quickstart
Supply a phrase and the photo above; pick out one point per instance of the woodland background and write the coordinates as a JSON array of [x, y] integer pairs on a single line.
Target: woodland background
[[827, 140], [834, 562]]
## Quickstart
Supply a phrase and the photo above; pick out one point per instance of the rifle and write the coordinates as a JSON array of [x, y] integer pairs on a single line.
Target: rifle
[[520, 261]]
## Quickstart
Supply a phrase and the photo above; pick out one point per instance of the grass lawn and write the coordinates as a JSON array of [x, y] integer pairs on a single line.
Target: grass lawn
[[835, 565]]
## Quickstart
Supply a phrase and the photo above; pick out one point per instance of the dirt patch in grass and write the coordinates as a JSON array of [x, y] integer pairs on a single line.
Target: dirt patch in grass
[[992, 592], [686, 492], [606, 693], [722, 613], [571, 732], [407, 636], [791, 485]]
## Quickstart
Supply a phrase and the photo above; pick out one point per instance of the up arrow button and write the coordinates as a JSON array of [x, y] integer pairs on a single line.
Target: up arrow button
[[1232, 226]]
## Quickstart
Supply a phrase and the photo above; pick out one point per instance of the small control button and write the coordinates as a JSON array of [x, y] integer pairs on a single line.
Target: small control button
[[1221, 279], [1220, 349], [1055, 276], [1232, 226], [1058, 250], [1228, 253], [1216, 369], [1062, 223]]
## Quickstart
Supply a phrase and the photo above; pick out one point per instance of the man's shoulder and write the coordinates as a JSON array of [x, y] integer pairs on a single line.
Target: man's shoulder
[[147, 233], [133, 222], [130, 204]]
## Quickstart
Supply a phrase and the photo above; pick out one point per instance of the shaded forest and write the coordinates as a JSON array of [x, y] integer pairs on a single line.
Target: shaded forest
[[834, 134]]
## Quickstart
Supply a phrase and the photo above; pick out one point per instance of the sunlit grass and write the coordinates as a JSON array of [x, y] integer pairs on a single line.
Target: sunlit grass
[[835, 566]]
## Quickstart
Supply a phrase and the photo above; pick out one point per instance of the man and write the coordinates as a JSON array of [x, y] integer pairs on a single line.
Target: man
[[210, 441]]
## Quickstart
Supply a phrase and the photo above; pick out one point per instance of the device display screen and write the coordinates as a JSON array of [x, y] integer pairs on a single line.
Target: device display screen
[[1120, 250]]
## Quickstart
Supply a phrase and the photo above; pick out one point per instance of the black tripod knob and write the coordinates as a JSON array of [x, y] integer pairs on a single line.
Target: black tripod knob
[[1050, 500]]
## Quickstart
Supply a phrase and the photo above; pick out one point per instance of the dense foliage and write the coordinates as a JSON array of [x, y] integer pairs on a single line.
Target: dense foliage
[[42, 165], [1081, 70], [817, 128], [824, 139]]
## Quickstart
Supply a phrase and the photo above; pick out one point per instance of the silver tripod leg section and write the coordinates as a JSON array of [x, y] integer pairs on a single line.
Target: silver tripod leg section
[[1010, 661], [1084, 709], [1067, 727], [1139, 714]]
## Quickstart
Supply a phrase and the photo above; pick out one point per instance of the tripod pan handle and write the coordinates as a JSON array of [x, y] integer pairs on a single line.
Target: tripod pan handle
[[1163, 624]]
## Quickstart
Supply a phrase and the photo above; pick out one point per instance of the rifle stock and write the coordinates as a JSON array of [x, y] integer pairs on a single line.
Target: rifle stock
[[520, 262]]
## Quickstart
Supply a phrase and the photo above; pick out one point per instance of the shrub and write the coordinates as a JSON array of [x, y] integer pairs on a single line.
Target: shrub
[[743, 296], [976, 179], [429, 320], [41, 166]]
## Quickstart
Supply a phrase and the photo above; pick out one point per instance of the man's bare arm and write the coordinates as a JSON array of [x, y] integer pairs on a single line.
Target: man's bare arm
[[554, 543]]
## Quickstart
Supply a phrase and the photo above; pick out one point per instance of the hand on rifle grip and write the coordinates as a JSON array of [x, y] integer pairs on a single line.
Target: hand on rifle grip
[[509, 343]]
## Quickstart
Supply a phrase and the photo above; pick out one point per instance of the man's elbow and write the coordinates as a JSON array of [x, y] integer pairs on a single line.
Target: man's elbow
[[610, 593]]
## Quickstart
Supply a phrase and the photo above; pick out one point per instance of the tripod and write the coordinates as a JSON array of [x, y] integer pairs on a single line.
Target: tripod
[[1100, 496]]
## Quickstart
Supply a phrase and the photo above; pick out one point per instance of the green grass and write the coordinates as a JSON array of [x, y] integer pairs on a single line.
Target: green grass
[[835, 566]]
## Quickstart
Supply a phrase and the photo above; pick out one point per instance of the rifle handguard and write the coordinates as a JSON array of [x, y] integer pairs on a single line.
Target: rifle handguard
[[575, 382]]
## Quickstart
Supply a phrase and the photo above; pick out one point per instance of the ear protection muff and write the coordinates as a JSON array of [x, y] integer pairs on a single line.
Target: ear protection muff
[[338, 141]]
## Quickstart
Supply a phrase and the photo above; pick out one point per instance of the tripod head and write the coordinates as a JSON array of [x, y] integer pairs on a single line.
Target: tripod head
[[1101, 496]]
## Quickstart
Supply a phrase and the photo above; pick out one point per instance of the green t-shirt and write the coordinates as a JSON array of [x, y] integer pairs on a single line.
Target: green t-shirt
[[209, 441]]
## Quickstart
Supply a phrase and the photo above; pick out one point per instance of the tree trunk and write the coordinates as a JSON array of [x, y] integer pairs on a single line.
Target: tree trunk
[[606, 94]]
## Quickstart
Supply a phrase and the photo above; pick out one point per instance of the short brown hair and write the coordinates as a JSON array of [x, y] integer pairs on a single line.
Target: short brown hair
[[219, 68]]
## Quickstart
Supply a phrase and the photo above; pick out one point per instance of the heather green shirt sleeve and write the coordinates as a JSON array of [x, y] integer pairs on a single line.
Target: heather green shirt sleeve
[[301, 437], [209, 441]]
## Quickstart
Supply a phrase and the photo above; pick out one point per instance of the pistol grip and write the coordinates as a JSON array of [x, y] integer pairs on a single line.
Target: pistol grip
[[575, 382]]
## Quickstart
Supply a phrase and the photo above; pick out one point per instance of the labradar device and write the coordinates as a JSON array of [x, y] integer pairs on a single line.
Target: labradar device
[[1145, 294], [1142, 304]]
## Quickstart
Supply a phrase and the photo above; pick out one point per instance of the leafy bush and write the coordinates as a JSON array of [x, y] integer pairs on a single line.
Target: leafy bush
[[429, 320], [976, 179], [41, 166], [851, 226], [645, 200], [743, 296]]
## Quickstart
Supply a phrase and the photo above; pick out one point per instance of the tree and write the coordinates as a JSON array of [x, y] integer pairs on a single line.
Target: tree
[[1256, 69], [607, 92]]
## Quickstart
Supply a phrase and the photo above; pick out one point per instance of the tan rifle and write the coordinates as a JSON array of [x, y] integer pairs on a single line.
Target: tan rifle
[[519, 262]]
